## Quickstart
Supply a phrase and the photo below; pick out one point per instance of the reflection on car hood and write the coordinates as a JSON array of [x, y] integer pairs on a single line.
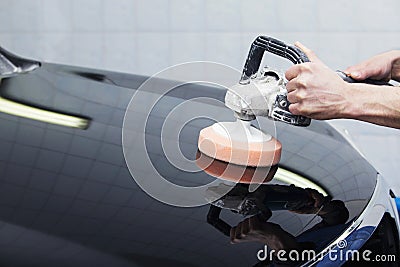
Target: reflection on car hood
[[71, 190]]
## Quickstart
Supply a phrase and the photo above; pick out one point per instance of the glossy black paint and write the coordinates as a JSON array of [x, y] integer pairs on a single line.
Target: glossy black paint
[[68, 199]]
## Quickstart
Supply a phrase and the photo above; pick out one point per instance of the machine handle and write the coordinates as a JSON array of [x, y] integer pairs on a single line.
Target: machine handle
[[348, 79], [279, 48], [290, 52], [274, 46]]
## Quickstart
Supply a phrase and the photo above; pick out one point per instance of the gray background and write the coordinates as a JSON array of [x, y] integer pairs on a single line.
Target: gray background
[[145, 36]]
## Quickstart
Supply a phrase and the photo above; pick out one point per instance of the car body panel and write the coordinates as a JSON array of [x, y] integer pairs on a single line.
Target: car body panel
[[67, 197]]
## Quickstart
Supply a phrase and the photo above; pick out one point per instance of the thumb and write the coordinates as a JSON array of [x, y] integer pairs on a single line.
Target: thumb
[[310, 54], [356, 72]]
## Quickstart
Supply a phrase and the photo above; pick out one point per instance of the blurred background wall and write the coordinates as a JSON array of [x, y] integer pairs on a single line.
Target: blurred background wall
[[146, 36]]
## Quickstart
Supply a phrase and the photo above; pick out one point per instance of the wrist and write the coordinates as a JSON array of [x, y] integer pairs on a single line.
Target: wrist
[[352, 109], [394, 54], [364, 101]]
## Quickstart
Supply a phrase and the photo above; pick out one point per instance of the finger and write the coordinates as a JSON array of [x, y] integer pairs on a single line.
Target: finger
[[318, 203], [295, 109], [294, 97], [293, 72], [235, 234], [246, 227], [238, 232], [254, 224], [298, 83], [232, 235], [291, 86], [317, 199], [310, 54], [356, 72]]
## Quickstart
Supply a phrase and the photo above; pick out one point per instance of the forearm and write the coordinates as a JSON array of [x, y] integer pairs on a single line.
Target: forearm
[[376, 104]]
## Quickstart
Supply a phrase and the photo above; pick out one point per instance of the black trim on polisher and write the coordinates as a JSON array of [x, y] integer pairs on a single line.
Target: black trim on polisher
[[274, 46], [280, 110]]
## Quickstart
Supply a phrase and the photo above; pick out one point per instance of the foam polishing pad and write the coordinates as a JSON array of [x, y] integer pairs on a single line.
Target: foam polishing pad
[[235, 173], [239, 143]]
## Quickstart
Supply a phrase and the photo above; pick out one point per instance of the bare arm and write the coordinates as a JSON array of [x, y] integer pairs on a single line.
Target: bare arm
[[376, 104], [318, 92], [385, 66]]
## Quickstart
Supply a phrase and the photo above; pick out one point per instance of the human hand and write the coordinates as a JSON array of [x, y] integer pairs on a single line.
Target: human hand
[[312, 205], [250, 229], [271, 234], [315, 91], [316, 196], [385, 66]]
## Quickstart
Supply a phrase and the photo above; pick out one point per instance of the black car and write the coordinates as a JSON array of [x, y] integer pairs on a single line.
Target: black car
[[68, 198]]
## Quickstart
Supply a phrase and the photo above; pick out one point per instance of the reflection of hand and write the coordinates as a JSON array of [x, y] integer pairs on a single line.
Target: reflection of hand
[[384, 67], [316, 91], [312, 205], [254, 230], [251, 229], [316, 196], [306, 210]]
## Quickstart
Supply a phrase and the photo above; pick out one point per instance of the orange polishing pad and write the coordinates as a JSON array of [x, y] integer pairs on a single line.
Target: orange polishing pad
[[235, 173], [239, 143]]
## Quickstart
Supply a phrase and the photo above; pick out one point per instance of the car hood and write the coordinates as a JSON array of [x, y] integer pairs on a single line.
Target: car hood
[[68, 195]]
